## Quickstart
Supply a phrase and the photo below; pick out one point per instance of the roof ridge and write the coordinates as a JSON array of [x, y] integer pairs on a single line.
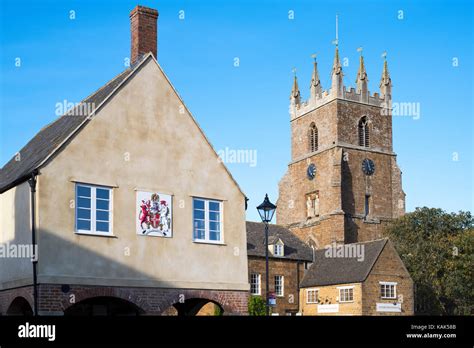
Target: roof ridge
[[66, 113], [106, 85], [376, 258], [82, 101], [50, 138]]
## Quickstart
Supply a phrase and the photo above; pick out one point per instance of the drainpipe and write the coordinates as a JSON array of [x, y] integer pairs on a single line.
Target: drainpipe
[[32, 182], [298, 283]]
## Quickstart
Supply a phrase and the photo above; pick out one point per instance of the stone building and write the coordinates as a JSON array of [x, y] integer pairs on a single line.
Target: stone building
[[126, 220], [343, 182], [376, 284], [288, 260]]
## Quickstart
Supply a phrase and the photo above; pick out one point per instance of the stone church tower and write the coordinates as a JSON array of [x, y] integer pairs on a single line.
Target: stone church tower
[[343, 183]]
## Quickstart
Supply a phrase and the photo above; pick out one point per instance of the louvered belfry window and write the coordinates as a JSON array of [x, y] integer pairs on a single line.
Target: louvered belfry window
[[313, 138], [364, 139]]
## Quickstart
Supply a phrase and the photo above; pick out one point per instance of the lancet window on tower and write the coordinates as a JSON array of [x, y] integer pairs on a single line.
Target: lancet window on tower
[[364, 139], [313, 138]]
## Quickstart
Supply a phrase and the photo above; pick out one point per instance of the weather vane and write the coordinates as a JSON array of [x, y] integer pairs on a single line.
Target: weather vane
[[314, 56], [359, 49], [294, 71], [384, 55]]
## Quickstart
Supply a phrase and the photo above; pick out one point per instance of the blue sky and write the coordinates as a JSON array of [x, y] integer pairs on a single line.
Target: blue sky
[[246, 107]]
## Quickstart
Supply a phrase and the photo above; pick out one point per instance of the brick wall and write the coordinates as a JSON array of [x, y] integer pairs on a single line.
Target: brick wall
[[289, 269], [340, 181], [325, 120], [295, 185], [143, 32], [328, 295], [388, 268], [53, 301], [380, 126]]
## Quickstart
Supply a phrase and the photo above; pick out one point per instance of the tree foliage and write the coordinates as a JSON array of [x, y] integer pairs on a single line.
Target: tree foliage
[[438, 251], [256, 306]]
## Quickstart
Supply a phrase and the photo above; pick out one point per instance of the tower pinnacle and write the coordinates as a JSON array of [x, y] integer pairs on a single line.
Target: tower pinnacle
[[295, 91], [315, 87], [362, 79], [386, 81], [337, 76]]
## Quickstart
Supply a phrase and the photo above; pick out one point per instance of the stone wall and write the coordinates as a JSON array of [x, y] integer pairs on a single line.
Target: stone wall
[[289, 269], [340, 181], [388, 268], [329, 295]]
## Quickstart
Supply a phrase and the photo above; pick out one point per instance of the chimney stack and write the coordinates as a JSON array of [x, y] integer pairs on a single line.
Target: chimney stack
[[143, 25]]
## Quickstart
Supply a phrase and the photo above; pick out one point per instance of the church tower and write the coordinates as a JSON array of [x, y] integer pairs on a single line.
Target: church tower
[[343, 183]]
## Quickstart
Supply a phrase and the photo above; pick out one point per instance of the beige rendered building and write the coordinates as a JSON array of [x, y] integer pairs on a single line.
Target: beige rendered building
[[133, 211]]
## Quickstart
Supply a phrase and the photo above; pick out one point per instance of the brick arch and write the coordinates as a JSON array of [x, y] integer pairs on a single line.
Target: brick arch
[[218, 297], [11, 296], [88, 293]]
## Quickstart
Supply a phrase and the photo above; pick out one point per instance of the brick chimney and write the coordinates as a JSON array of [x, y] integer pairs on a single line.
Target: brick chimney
[[143, 24]]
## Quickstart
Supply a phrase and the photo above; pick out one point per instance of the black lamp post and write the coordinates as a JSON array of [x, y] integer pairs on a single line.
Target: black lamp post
[[266, 211]]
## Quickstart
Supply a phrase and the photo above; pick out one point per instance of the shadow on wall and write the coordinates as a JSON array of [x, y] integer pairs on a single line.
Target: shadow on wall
[[15, 233], [115, 289], [351, 230]]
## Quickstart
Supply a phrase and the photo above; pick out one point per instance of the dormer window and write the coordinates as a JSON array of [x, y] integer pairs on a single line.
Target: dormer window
[[276, 246], [278, 250]]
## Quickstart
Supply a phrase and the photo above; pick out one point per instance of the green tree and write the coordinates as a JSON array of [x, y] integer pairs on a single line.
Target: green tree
[[256, 305], [218, 310], [437, 249]]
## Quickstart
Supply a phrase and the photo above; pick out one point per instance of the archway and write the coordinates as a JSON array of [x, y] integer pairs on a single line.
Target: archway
[[20, 306], [195, 307], [103, 306]]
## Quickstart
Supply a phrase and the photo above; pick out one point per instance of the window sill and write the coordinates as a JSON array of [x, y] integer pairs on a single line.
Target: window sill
[[207, 242], [342, 302], [109, 235]]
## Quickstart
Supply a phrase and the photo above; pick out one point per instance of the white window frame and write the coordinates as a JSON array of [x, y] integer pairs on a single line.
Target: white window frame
[[93, 209], [278, 250], [345, 288], [282, 285], [206, 221], [316, 295], [258, 284], [394, 284]]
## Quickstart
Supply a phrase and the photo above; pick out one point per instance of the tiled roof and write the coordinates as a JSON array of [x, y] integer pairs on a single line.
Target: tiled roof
[[343, 270], [294, 248], [50, 137]]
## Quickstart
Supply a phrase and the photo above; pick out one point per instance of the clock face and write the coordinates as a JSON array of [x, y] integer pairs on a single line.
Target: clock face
[[311, 171], [368, 166]]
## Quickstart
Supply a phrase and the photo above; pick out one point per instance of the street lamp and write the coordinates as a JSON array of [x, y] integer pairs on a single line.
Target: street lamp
[[266, 211]]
